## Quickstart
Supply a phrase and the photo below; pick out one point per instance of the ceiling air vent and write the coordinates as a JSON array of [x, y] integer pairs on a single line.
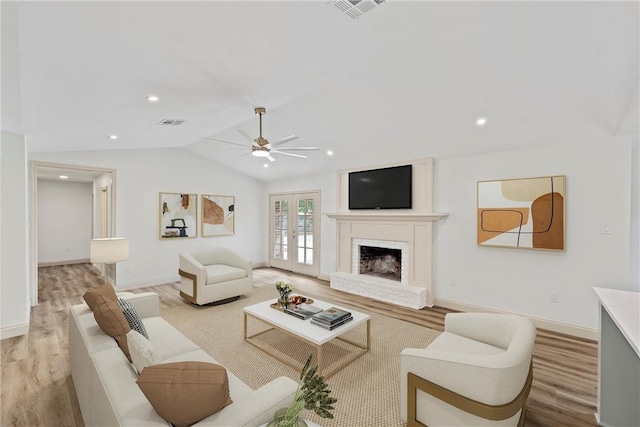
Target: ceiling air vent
[[171, 122], [356, 8]]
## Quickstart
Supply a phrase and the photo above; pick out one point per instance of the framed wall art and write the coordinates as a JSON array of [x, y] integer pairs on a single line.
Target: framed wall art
[[218, 215], [522, 213], [178, 215]]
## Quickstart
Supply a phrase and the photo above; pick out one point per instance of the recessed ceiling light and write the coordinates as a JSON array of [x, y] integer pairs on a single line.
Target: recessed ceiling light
[[152, 98], [266, 165], [481, 121], [329, 152], [113, 136], [63, 177]]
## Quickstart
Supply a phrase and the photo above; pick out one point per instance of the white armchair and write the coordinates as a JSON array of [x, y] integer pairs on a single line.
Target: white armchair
[[476, 373], [214, 274]]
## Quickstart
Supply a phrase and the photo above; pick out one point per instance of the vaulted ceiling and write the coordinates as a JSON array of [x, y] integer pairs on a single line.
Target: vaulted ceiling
[[407, 79]]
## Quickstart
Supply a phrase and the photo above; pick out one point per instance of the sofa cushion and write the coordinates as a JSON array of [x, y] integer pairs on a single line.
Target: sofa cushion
[[166, 339], [111, 320], [132, 316], [184, 393], [218, 273], [106, 290], [141, 351]]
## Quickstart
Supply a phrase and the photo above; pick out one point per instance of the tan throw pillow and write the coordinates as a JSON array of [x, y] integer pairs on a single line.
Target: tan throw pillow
[[111, 320], [105, 290], [184, 393]]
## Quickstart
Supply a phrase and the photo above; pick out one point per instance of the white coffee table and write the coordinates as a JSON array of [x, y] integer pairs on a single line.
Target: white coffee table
[[304, 330]]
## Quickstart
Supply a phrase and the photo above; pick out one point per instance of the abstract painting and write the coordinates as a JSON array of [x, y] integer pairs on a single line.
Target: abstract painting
[[218, 215], [178, 213], [522, 213]]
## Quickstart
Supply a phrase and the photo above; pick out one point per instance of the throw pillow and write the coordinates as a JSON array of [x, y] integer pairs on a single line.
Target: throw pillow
[[184, 393], [141, 351], [112, 321], [105, 290], [132, 316]]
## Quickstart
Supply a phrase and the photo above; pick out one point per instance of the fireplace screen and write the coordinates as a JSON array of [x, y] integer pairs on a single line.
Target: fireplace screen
[[381, 262]]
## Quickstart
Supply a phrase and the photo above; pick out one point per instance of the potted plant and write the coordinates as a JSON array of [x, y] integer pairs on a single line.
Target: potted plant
[[312, 394]]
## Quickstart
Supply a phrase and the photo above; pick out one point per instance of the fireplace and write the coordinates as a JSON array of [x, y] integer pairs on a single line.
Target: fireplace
[[380, 258], [410, 231], [380, 262]]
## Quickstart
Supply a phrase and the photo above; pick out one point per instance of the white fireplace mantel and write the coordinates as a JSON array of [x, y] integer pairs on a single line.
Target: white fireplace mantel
[[384, 216], [411, 227]]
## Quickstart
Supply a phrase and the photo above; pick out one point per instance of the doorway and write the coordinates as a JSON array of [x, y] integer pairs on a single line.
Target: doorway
[[102, 212], [294, 232]]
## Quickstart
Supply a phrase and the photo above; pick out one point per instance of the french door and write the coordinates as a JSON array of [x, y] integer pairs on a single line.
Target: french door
[[294, 232]]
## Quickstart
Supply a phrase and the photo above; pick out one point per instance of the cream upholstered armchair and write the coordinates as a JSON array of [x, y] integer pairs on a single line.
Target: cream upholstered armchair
[[214, 274], [476, 373]]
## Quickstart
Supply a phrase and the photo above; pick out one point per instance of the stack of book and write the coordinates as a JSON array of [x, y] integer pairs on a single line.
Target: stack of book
[[303, 311], [331, 318]]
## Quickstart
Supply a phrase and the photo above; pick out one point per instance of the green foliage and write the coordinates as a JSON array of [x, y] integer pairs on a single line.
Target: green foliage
[[314, 392]]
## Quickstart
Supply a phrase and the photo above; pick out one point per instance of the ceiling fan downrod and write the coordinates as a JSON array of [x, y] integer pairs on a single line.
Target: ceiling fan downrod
[[261, 141]]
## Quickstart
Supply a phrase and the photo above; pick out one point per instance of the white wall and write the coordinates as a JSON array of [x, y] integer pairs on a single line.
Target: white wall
[[14, 232], [327, 184], [100, 182], [140, 176], [597, 192], [64, 221], [599, 188], [634, 251]]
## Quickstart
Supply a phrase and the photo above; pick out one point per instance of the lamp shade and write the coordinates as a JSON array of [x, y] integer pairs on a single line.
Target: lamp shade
[[110, 250]]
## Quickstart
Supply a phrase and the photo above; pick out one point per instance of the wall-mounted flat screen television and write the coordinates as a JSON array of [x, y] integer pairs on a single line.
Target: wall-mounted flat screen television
[[387, 188]]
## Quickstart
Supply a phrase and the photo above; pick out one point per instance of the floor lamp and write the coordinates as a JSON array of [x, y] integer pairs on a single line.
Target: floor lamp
[[110, 251]]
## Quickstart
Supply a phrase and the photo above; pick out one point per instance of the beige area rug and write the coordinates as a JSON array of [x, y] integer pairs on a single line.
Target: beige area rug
[[367, 390]]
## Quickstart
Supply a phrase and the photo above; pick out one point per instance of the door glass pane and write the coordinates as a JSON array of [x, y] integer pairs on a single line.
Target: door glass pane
[[280, 229], [304, 230]]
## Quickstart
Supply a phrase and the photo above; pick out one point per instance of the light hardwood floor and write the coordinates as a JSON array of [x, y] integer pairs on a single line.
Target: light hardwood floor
[[37, 389]]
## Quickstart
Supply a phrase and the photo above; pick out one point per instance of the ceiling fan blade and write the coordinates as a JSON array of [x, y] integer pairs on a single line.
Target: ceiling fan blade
[[284, 140], [247, 137], [288, 154], [298, 148], [271, 159], [226, 142]]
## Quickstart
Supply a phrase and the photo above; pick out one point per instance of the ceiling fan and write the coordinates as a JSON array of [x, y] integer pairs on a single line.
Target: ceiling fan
[[260, 147]]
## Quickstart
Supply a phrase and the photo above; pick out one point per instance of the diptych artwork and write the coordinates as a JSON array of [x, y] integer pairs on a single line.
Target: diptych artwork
[[178, 215], [218, 215], [522, 213]]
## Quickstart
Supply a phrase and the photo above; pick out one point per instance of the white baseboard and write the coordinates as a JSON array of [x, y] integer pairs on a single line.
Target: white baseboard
[[260, 264], [66, 262], [14, 331], [563, 328]]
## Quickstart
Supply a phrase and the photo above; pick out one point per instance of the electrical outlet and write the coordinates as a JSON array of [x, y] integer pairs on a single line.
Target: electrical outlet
[[453, 281], [68, 250], [554, 297]]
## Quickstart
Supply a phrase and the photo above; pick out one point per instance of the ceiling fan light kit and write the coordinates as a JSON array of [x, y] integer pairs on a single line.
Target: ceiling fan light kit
[[261, 147]]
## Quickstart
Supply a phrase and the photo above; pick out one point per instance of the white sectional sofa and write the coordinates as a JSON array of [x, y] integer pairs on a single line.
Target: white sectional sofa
[[105, 381]]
